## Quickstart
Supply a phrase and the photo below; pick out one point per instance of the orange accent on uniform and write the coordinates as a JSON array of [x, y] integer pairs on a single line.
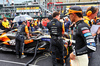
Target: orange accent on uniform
[[64, 56], [22, 53], [66, 50], [26, 29], [63, 29], [86, 20], [63, 61], [57, 58], [70, 63]]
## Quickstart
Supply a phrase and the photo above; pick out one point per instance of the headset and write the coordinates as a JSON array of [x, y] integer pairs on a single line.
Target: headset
[[89, 12]]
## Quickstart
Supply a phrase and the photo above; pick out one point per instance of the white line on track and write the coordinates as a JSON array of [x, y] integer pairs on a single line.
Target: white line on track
[[12, 62]]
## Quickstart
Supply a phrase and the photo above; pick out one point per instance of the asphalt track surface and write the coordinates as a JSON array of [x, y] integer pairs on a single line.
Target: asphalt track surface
[[9, 59]]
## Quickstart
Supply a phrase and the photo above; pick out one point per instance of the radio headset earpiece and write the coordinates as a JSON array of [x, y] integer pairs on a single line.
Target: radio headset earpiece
[[90, 11]]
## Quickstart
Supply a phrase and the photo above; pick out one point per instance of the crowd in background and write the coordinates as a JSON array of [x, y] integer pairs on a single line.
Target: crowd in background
[[35, 24]]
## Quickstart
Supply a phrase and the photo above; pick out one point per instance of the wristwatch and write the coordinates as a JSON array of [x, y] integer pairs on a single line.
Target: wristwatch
[[74, 52]]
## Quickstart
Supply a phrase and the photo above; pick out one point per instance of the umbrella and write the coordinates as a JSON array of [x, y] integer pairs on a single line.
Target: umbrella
[[22, 18]]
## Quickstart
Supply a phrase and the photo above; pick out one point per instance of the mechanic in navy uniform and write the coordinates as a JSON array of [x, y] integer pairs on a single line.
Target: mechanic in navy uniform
[[22, 31], [56, 30], [84, 40]]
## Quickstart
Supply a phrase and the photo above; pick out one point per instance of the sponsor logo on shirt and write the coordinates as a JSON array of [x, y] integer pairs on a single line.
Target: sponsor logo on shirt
[[84, 28], [89, 37], [85, 31], [93, 44], [87, 34], [90, 40]]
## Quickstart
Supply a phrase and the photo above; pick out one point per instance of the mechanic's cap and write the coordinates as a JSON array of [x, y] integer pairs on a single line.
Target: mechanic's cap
[[74, 9]]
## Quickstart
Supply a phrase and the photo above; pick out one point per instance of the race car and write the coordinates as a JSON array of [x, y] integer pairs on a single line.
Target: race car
[[7, 42]]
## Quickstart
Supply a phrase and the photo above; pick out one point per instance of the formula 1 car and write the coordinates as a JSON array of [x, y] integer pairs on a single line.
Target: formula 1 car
[[7, 42]]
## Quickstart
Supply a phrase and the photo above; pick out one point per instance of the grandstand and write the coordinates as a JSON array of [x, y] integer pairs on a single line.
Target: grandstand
[[42, 8]]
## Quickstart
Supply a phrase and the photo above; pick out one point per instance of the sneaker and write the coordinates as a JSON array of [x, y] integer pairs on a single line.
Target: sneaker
[[17, 56], [64, 64], [23, 56]]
